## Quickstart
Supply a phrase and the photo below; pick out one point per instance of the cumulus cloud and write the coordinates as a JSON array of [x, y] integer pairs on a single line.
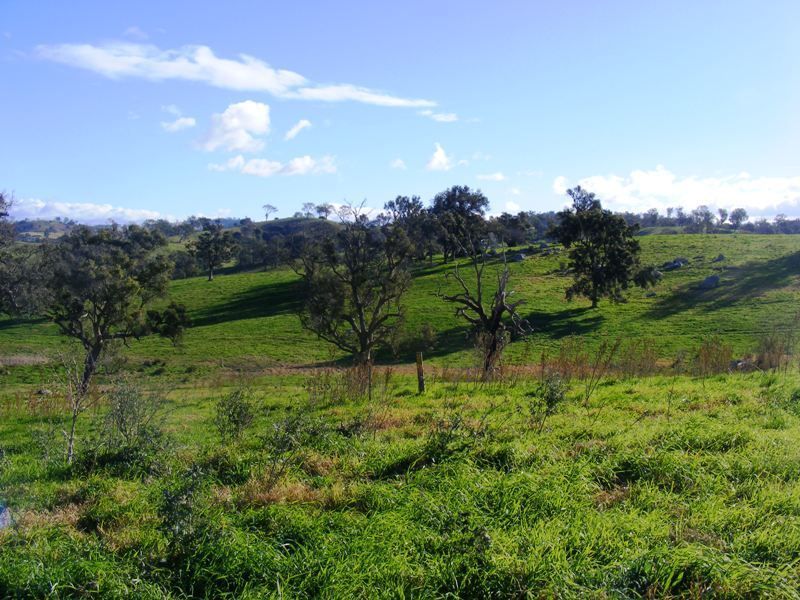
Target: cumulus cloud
[[118, 60], [512, 207], [297, 128], [440, 117], [515, 191], [83, 212], [398, 163], [234, 129], [660, 188], [492, 177], [263, 167], [439, 160]]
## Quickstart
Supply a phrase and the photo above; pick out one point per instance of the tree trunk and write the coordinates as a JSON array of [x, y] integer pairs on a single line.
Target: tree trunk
[[71, 436], [89, 367], [211, 273]]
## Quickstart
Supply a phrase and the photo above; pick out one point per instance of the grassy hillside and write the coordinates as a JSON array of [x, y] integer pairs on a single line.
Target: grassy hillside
[[248, 320]]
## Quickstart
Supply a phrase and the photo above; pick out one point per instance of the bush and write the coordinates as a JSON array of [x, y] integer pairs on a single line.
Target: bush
[[132, 439], [234, 414], [546, 398]]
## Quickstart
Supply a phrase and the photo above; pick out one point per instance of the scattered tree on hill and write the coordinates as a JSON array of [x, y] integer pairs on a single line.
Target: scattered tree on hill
[[603, 253], [491, 313], [268, 210], [324, 210], [420, 226], [308, 209], [169, 323], [6, 228], [702, 220], [459, 212], [354, 280], [21, 269], [98, 285], [213, 248], [737, 217]]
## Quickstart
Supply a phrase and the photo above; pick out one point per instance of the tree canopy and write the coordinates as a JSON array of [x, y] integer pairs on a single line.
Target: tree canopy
[[603, 253]]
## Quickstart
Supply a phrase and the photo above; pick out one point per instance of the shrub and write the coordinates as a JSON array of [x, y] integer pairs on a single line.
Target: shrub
[[545, 400], [234, 414], [132, 439]]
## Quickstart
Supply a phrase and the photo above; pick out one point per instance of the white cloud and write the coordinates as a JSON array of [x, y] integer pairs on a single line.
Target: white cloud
[[297, 128], [560, 185], [512, 207], [492, 177], [440, 117], [263, 167], [398, 163], [117, 60], [515, 191], [439, 161], [83, 212], [135, 33], [178, 124], [660, 188], [233, 129]]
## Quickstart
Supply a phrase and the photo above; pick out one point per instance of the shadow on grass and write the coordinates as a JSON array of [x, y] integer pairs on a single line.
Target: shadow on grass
[[7, 323], [563, 323], [737, 284], [266, 300]]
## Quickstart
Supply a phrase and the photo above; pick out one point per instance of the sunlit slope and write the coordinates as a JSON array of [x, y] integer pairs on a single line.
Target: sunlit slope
[[249, 320]]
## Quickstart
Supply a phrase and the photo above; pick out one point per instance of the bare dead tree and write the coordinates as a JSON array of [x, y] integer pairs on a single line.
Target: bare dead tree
[[493, 315]]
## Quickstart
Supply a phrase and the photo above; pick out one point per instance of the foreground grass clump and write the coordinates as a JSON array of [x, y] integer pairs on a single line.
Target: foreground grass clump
[[664, 486]]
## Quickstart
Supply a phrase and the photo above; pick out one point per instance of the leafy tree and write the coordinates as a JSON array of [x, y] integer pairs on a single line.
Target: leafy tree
[[422, 230], [723, 216], [213, 248], [491, 313], [268, 209], [21, 269], [702, 219], [100, 283], [324, 210], [603, 253], [459, 212], [169, 323], [737, 217], [6, 228], [354, 280], [308, 209]]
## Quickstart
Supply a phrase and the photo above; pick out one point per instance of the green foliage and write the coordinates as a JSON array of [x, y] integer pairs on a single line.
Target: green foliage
[[170, 323], [604, 256], [213, 248], [234, 413], [546, 399], [353, 283]]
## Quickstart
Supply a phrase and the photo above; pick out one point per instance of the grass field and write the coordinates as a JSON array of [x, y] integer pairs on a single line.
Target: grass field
[[657, 487], [672, 485]]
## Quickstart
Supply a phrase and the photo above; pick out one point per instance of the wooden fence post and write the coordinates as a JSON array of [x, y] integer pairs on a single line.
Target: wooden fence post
[[420, 374]]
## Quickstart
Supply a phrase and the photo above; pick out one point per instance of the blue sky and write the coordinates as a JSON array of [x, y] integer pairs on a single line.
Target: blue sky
[[127, 110]]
